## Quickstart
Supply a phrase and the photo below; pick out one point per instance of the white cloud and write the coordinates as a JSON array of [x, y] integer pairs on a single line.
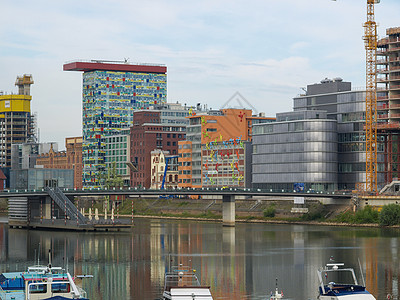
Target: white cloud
[[264, 49]]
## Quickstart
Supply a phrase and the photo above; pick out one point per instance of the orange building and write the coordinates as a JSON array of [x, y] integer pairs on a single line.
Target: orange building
[[213, 154], [69, 159]]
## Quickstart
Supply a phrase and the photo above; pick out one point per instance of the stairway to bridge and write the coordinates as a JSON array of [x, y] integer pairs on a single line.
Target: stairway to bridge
[[66, 205]]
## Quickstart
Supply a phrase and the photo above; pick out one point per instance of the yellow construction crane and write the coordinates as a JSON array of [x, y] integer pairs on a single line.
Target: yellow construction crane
[[371, 42]]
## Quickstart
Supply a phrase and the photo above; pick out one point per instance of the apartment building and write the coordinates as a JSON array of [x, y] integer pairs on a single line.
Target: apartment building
[[213, 154]]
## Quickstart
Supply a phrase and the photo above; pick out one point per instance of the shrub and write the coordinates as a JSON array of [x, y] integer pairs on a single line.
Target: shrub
[[269, 212], [312, 216], [363, 216], [346, 217], [389, 215], [367, 215]]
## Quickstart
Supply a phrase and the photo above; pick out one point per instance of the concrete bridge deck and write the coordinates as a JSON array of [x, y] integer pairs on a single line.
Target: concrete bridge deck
[[228, 196]]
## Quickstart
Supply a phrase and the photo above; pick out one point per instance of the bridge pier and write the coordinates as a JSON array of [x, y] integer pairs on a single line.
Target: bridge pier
[[18, 212], [47, 208], [228, 210]]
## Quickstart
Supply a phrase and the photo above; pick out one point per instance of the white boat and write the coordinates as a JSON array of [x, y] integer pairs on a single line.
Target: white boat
[[276, 295], [339, 283], [40, 283], [182, 283]]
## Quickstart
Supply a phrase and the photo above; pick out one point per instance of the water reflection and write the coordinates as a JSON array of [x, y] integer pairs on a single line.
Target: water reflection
[[237, 263]]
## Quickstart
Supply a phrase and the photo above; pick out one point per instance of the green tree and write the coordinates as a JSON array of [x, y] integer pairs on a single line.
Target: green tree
[[389, 215], [112, 179]]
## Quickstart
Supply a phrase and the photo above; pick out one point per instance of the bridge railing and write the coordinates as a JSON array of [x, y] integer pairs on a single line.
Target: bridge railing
[[184, 190]]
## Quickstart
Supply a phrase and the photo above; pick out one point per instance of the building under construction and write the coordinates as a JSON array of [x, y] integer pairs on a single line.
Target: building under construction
[[388, 100], [17, 124]]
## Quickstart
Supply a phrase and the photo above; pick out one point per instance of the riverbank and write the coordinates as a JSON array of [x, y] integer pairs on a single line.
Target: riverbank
[[269, 211], [247, 211], [266, 221]]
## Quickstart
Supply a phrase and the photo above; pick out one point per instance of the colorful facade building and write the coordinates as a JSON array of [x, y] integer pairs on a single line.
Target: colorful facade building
[[71, 158], [213, 154], [17, 124], [111, 92], [159, 160], [161, 127]]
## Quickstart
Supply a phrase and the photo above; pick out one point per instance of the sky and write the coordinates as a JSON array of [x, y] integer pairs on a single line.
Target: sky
[[265, 50]]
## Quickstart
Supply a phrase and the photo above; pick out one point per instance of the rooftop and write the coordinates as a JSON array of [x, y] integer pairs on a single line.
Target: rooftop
[[118, 66]]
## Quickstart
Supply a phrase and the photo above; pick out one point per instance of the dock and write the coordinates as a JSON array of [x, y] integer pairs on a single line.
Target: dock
[[55, 211]]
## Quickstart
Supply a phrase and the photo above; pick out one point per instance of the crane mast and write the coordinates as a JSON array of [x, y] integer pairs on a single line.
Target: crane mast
[[371, 39]]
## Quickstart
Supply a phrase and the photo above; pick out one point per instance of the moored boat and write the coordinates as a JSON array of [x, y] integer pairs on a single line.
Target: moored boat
[[182, 283], [339, 283], [276, 295], [40, 283]]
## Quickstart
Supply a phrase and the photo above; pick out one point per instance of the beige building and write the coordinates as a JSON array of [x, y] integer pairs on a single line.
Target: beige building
[[159, 159]]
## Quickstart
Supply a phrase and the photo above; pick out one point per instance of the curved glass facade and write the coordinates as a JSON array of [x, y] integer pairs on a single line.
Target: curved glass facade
[[303, 152]]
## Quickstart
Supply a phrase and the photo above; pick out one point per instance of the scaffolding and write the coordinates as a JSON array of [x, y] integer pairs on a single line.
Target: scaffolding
[[388, 79]]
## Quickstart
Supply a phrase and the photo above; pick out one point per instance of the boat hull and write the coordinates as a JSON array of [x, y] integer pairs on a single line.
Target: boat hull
[[62, 298], [363, 296], [181, 293]]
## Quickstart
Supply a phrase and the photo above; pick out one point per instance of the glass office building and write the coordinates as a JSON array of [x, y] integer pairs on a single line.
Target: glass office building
[[347, 107], [319, 146], [297, 152]]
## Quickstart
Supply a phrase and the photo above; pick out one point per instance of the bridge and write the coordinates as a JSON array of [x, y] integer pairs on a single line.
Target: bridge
[[27, 206]]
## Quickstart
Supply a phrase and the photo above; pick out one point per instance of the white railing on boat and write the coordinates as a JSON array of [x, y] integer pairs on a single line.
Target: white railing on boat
[[9, 296]]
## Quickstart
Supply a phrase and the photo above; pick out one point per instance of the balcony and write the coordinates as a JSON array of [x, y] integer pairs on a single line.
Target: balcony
[[394, 97], [395, 106], [394, 88], [388, 126], [382, 71], [382, 80], [395, 49], [382, 62], [382, 107], [395, 78], [395, 116], [384, 116], [394, 68]]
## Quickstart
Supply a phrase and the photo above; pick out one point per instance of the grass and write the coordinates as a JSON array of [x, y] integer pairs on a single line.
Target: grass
[[3, 205]]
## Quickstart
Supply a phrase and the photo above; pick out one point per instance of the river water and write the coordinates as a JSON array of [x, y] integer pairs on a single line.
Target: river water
[[237, 263]]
